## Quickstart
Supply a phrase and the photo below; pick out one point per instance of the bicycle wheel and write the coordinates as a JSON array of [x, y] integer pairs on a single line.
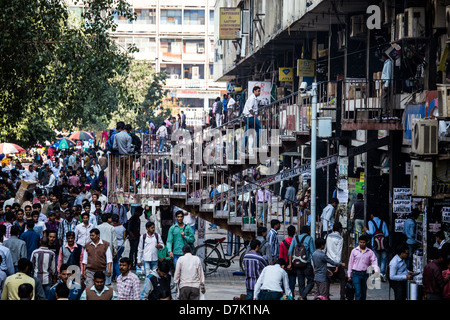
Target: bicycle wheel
[[241, 261], [210, 257]]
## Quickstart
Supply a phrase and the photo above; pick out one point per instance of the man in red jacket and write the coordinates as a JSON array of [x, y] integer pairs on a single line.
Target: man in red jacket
[[433, 282], [284, 253]]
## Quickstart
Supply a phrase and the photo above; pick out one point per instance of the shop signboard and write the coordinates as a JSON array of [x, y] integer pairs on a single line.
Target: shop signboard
[[412, 111], [266, 89], [306, 68], [230, 23], [286, 74]]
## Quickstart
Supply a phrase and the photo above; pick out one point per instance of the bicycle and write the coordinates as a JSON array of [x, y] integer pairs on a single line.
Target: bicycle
[[213, 258]]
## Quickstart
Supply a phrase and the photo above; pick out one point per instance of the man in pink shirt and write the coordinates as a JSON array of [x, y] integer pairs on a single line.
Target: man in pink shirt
[[360, 259]]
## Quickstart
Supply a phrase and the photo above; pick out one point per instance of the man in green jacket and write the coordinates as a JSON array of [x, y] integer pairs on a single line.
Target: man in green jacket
[[179, 235]]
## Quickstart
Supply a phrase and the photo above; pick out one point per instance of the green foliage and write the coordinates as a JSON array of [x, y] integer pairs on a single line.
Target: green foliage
[[61, 73]]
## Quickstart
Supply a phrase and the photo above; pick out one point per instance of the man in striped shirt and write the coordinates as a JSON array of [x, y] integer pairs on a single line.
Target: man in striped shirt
[[254, 263], [44, 265], [272, 238], [127, 283]]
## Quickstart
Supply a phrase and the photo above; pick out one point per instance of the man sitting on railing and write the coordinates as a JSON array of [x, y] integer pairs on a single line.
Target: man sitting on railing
[[250, 112]]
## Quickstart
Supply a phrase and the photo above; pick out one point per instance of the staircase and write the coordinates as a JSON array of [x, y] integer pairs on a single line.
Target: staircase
[[184, 171]]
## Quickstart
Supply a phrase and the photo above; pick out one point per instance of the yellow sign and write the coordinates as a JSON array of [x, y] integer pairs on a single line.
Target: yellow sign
[[286, 74], [230, 23], [361, 177], [306, 68]]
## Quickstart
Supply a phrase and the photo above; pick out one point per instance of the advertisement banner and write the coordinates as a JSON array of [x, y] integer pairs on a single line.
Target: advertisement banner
[[266, 89], [306, 68]]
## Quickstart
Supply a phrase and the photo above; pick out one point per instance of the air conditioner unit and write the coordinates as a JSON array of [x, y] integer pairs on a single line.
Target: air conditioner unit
[[244, 46], [438, 13], [424, 136], [444, 100], [399, 26], [360, 161], [200, 50], [174, 76], [447, 22], [414, 22], [358, 25], [306, 152], [421, 178]]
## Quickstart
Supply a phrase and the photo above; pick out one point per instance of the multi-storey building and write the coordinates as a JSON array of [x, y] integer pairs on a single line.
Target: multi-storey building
[[177, 37]]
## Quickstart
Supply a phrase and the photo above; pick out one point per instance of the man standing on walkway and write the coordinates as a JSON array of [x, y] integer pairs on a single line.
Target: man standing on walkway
[[134, 232], [149, 244], [122, 143], [361, 258], [409, 230], [273, 282], [179, 235], [320, 261], [375, 226], [108, 234], [127, 283], [97, 257], [306, 273], [327, 216], [250, 113], [399, 273], [17, 247], [333, 249], [44, 265], [272, 238], [357, 214], [264, 200], [254, 264], [189, 275]]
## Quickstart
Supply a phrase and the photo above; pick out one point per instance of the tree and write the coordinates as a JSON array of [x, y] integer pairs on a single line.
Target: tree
[[57, 74]]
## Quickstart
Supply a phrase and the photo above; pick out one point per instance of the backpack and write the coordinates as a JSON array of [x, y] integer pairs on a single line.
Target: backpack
[[136, 141], [219, 107], [299, 255], [145, 236], [379, 240]]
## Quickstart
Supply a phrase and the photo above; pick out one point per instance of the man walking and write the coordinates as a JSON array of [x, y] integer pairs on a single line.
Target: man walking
[[97, 257], [127, 283], [149, 244], [379, 231], [189, 275], [71, 253], [17, 247], [44, 265], [284, 254], [179, 235], [273, 282], [254, 264], [13, 282], [134, 232], [306, 273], [320, 261], [333, 249], [361, 258], [272, 238], [433, 281], [74, 287], [399, 273], [327, 217], [250, 113], [409, 230], [357, 215]]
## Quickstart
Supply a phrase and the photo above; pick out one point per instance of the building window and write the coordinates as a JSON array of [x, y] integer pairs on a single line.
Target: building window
[[145, 16], [192, 102], [171, 48], [120, 19], [146, 46], [173, 71], [123, 42], [211, 17], [194, 72], [170, 16], [194, 17], [194, 46]]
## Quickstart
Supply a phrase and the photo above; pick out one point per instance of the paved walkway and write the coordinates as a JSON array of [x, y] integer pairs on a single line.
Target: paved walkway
[[225, 285]]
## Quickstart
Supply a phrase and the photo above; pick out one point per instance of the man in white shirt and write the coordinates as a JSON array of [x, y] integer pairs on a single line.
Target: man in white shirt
[[327, 216], [149, 244], [250, 113], [30, 174], [51, 179], [273, 282], [231, 103], [386, 77], [82, 230], [333, 249], [189, 275]]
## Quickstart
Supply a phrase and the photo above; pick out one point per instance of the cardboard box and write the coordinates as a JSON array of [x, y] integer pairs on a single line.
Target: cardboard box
[[356, 92], [24, 187]]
